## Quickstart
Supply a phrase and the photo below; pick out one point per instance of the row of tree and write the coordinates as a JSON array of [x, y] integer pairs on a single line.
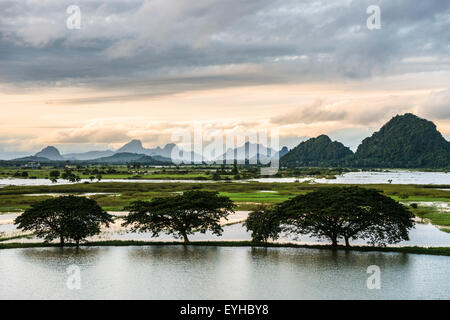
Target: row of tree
[[334, 213]]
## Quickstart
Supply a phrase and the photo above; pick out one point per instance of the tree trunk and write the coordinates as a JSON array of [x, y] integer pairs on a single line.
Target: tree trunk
[[61, 241], [77, 243], [334, 242], [347, 242], [185, 237]]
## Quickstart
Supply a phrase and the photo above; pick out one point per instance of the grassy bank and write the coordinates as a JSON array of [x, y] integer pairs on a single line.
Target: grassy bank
[[433, 215], [23, 236], [13, 198], [442, 251]]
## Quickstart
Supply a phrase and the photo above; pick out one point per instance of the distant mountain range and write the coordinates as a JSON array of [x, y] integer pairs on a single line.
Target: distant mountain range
[[126, 157], [406, 141], [134, 151], [90, 155], [50, 153], [252, 153]]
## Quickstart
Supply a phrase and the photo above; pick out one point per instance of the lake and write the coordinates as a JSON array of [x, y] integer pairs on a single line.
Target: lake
[[177, 272], [396, 177], [368, 177], [424, 235]]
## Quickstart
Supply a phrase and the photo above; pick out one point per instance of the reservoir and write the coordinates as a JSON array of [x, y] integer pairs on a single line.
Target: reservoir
[[178, 272]]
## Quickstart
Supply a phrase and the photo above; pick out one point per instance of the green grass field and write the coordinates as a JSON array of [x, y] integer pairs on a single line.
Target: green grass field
[[246, 195]]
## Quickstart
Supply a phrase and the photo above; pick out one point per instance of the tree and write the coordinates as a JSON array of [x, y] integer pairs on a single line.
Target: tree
[[66, 218], [69, 175], [264, 222], [54, 175], [348, 213], [418, 212], [193, 211]]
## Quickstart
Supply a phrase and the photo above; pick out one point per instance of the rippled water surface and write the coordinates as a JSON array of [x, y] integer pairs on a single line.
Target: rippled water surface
[[176, 272], [394, 177]]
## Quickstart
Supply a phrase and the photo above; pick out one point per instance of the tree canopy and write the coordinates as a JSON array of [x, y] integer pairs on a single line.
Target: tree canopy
[[347, 213], [264, 223], [67, 218], [181, 215]]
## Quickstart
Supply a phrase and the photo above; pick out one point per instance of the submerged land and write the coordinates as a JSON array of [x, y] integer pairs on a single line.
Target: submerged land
[[430, 203]]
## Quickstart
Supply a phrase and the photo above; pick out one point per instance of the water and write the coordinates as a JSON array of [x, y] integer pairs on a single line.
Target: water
[[396, 177], [47, 182], [177, 272], [424, 235]]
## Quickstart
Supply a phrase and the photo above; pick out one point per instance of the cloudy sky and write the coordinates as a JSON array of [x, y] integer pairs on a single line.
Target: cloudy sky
[[140, 69]]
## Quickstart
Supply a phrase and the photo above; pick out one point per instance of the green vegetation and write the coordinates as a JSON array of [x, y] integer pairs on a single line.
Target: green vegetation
[[181, 215], [117, 195], [442, 251], [319, 152], [21, 236], [65, 218], [405, 142], [264, 223], [348, 213], [129, 171], [432, 214], [135, 171]]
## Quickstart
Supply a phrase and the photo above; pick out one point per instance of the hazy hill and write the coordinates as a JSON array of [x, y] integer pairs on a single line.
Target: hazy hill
[[126, 157], [88, 155], [252, 152], [30, 159], [134, 146], [50, 153], [121, 157]]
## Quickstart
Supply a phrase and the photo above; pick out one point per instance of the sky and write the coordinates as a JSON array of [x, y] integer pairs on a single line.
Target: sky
[[140, 69]]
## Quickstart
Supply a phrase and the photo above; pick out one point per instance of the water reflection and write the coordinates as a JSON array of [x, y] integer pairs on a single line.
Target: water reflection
[[193, 272], [365, 177]]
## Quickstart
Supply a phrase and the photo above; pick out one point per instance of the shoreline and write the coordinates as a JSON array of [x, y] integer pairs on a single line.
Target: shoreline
[[441, 251]]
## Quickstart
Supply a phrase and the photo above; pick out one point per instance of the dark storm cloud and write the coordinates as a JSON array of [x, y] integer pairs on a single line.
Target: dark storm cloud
[[169, 41]]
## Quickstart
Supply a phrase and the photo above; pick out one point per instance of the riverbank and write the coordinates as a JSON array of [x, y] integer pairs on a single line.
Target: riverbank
[[441, 251], [114, 196]]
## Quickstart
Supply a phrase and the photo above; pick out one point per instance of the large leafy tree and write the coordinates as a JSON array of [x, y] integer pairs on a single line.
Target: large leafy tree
[[181, 215], [64, 218], [264, 223], [348, 213]]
